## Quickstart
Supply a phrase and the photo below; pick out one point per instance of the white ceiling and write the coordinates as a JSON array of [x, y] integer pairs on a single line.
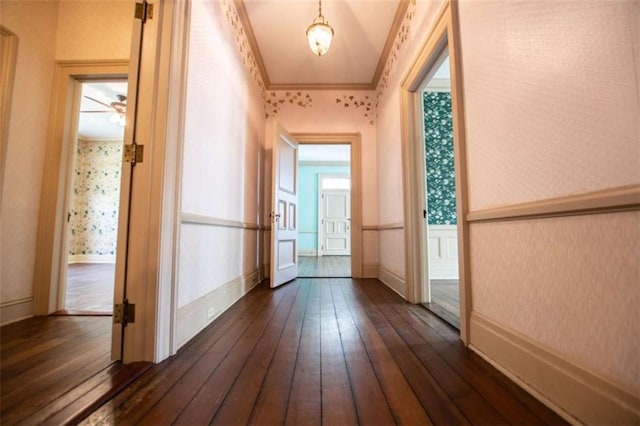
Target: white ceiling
[[361, 30], [96, 116], [324, 153]]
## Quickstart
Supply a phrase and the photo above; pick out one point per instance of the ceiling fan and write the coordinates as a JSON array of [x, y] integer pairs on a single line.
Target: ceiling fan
[[119, 106], [117, 109]]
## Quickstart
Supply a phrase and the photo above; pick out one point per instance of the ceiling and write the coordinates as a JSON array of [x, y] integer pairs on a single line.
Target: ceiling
[[324, 153], [98, 120], [364, 33]]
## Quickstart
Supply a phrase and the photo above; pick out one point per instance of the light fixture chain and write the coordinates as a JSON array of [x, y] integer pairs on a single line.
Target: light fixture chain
[[320, 8]]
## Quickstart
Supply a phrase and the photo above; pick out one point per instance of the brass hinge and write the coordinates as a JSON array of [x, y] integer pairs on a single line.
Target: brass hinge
[[144, 11], [124, 313], [133, 153]]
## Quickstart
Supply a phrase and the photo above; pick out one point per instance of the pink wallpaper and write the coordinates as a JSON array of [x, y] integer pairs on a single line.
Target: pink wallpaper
[[36, 31], [551, 94], [223, 131], [571, 284]]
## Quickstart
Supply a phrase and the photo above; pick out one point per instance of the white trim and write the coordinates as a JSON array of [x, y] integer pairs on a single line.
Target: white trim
[[16, 310], [609, 200], [354, 140], [576, 394], [370, 271], [392, 280], [438, 85], [192, 318], [91, 258], [196, 219], [309, 252], [443, 36], [9, 52], [324, 163]]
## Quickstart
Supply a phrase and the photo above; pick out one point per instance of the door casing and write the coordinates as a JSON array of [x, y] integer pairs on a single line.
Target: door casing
[[443, 35], [352, 139]]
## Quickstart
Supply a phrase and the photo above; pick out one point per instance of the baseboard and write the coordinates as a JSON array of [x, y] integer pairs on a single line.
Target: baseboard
[[309, 252], [392, 280], [192, 318], [575, 393], [91, 258], [16, 310], [370, 271]]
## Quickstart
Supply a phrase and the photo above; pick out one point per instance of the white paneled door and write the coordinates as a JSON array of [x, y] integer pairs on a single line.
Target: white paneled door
[[335, 222], [284, 214]]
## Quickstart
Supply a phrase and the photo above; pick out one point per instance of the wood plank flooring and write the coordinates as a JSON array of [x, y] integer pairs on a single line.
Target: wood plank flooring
[[90, 287], [57, 369], [324, 266], [445, 301], [324, 351]]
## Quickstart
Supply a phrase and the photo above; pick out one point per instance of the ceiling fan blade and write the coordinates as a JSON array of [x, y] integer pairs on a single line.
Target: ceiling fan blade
[[97, 101]]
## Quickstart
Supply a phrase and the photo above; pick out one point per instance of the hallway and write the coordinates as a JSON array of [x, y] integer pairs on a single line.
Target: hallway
[[330, 351], [324, 266]]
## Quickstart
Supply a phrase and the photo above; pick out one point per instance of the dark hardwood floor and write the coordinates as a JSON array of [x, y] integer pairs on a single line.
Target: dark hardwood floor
[[90, 288], [57, 369], [324, 351], [324, 266], [445, 301]]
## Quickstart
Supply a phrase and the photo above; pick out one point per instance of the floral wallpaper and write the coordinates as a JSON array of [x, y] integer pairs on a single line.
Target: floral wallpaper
[[95, 198], [441, 181]]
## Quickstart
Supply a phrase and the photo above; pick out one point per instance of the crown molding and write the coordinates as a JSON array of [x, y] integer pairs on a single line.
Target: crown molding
[[253, 43], [322, 86], [391, 37]]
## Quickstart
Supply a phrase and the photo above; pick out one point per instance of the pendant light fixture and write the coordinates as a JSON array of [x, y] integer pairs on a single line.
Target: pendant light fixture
[[319, 34]]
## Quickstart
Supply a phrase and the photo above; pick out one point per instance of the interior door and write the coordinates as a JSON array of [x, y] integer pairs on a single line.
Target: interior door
[[284, 214], [335, 221]]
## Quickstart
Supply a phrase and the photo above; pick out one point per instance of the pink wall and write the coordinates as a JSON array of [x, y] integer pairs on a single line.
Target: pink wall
[[552, 107], [224, 127]]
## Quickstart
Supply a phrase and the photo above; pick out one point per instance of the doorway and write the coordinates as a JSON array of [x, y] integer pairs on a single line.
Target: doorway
[[440, 228], [421, 237], [94, 198], [324, 247]]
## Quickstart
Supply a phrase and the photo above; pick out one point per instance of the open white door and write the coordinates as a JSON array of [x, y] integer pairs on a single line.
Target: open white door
[[284, 214]]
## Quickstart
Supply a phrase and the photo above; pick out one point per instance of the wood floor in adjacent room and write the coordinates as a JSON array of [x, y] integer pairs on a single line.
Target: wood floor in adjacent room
[[57, 369], [324, 351]]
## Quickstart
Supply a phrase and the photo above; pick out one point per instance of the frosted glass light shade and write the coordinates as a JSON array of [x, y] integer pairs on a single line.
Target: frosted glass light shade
[[319, 35]]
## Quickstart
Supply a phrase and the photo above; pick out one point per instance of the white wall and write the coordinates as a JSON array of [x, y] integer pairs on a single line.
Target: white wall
[[47, 31], [224, 126]]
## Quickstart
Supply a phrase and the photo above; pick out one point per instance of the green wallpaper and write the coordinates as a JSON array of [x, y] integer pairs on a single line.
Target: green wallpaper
[[441, 182], [96, 198]]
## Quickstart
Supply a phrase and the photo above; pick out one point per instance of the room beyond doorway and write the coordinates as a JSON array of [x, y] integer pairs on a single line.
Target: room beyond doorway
[[94, 197], [324, 237]]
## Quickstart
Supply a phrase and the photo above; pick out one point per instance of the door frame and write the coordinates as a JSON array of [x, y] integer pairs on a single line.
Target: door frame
[[444, 34], [51, 241], [354, 140], [321, 177], [67, 178]]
